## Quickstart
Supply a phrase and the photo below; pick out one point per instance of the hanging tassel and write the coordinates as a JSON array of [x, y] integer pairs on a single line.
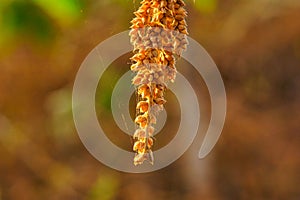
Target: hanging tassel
[[158, 34]]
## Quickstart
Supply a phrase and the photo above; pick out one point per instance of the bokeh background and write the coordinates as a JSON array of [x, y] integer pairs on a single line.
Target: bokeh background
[[256, 45]]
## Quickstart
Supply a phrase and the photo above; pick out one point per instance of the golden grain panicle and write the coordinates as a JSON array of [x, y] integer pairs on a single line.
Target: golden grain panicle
[[158, 34]]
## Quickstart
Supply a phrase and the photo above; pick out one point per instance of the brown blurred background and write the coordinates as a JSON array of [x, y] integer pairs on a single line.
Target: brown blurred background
[[256, 45]]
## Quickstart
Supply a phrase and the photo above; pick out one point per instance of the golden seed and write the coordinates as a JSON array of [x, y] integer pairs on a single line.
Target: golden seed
[[138, 145], [150, 143], [140, 119], [154, 53], [184, 32], [136, 80], [153, 119], [181, 27], [145, 61], [163, 3], [179, 17], [139, 133], [150, 130], [150, 79], [160, 101], [143, 106]]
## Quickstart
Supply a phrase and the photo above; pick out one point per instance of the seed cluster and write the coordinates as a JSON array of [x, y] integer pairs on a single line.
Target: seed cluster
[[159, 38], [169, 14], [158, 34]]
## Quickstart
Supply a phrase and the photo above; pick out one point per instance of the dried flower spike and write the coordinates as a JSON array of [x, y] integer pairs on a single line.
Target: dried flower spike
[[158, 34]]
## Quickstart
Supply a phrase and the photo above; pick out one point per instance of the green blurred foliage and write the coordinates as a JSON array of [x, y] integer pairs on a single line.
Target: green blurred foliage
[[104, 188], [206, 6], [38, 19], [23, 18], [105, 88], [60, 108], [65, 12]]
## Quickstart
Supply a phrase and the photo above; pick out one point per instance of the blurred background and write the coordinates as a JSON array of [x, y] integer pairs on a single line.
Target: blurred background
[[256, 45]]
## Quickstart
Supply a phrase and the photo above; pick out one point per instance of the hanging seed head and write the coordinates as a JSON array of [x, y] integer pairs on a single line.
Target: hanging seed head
[[158, 33]]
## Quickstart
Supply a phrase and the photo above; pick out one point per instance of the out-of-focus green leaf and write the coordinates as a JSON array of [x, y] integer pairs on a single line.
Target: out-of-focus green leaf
[[105, 89], [60, 107], [206, 6], [36, 18], [20, 17], [105, 188], [64, 12]]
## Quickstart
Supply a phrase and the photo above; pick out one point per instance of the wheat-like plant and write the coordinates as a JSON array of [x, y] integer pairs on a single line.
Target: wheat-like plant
[[158, 34]]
